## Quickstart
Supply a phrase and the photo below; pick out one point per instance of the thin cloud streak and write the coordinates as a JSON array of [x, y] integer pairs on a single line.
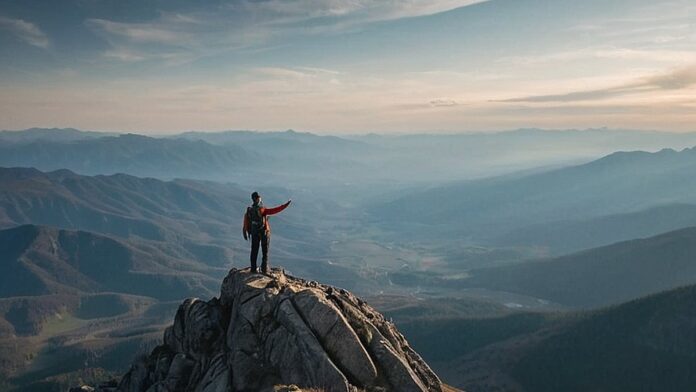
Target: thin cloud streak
[[673, 80], [142, 32], [245, 24], [26, 31], [604, 53]]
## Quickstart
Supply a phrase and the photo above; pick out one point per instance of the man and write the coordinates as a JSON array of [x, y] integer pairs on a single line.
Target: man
[[257, 228]]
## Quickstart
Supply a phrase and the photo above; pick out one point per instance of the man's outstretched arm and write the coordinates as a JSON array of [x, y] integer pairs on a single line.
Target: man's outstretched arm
[[275, 210]]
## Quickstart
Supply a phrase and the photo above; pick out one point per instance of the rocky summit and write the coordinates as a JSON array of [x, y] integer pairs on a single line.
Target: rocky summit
[[277, 332]]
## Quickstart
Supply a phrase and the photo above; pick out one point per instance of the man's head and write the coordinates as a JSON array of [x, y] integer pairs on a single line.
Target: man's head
[[255, 197]]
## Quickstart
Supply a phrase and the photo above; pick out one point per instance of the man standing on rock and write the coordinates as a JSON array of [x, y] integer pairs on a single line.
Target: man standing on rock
[[256, 226]]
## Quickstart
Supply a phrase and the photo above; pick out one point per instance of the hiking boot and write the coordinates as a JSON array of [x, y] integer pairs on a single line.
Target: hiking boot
[[253, 270]]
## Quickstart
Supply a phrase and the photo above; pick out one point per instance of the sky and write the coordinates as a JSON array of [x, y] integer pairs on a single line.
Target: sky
[[353, 66]]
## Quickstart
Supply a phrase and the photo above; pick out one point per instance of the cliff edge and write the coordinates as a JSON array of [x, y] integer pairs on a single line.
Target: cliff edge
[[265, 332]]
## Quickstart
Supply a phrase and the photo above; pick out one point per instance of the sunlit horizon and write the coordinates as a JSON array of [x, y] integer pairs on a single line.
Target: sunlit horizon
[[349, 68]]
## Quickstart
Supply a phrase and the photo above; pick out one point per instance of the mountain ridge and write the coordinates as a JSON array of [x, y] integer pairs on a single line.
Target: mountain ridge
[[642, 266], [40, 260], [622, 182], [643, 344], [131, 153]]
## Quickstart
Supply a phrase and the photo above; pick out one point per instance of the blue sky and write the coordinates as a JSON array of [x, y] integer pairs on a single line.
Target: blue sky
[[348, 66]]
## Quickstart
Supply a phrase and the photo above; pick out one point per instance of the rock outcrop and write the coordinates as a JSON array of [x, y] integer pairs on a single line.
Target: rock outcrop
[[277, 332]]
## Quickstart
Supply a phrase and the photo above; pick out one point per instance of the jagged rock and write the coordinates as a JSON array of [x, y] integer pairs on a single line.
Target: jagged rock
[[280, 333]]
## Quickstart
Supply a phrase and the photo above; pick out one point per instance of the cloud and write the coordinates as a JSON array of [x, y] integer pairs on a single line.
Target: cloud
[[295, 72], [247, 24], [142, 32], [360, 11], [281, 73], [604, 53], [678, 79], [124, 54], [26, 31], [443, 103], [673, 80]]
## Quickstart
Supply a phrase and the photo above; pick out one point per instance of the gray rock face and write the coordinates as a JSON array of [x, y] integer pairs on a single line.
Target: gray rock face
[[268, 333]]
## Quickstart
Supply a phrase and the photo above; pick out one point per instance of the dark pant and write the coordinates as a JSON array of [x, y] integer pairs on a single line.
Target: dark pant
[[264, 239]]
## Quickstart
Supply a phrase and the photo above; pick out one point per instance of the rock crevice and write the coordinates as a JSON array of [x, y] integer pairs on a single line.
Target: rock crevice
[[267, 331]]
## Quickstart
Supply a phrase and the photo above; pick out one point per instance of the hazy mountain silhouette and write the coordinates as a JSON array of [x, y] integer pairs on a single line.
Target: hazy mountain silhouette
[[622, 182], [48, 134], [570, 236], [287, 142], [347, 168], [129, 153], [601, 276]]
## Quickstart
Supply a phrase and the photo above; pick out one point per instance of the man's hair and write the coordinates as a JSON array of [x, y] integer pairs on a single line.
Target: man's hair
[[255, 196]]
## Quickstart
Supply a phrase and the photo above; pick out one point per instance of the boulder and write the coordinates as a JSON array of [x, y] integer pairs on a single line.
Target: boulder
[[280, 333]]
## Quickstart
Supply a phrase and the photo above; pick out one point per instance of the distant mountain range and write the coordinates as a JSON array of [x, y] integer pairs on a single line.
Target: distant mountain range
[[601, 276], [37, 260], [563, 237], [133, 154], [116, 204], [348, 168], [620, 183], [185, 214], [189, 220], [49, 134]]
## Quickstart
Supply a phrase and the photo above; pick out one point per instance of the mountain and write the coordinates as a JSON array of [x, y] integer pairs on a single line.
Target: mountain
[[129, 153], [340, 168], [622, 182], [81, 304], [574, 235], [76, 300], [182, 214], [289, 142], [198, 221], [643, 345], [37, 260], [379, 162], [48, 134], [601, 276], [266, 331], [460, 156], [348, 169], [119, 204]]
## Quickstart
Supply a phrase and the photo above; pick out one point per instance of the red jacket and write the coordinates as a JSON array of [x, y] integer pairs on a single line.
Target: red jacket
[[264, 212]]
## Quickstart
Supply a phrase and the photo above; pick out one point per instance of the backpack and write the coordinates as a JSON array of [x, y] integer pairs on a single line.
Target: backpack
[[257, 222]]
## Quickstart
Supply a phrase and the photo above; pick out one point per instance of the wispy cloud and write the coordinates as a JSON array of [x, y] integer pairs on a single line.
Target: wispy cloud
[[26, 31], [669, 56], [443, 103], [143, 32], [360, 11], [246, 24], [295, 72], [673, 80]]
